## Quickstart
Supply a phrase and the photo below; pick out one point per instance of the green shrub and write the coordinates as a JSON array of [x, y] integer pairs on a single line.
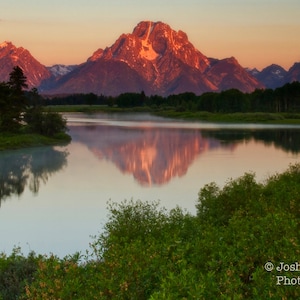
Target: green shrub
[[45, 123], [218, 206], [138, 248], [147, 252], [15, 272]]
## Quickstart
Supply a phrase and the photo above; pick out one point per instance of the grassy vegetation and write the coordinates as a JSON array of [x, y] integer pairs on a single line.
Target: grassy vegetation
[[258, 117], [147, 252], [169, 112], [23, 140]]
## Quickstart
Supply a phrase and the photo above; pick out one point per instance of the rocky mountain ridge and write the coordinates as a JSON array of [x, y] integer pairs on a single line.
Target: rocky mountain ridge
[[158, 60], [274, 76], [154, 58], [11, 56]]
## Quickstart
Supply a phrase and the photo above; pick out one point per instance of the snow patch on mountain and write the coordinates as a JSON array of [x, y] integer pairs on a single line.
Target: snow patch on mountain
[[279, 73], [253, 71], [147, 50], [61, 70]]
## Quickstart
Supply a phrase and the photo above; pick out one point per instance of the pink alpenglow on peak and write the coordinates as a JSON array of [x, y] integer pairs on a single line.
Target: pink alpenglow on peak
[[153, 58]]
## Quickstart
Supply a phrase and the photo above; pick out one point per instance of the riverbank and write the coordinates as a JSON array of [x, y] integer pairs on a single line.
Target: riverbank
[[257, 117], [10, 141], [251, 117], [95, 108]]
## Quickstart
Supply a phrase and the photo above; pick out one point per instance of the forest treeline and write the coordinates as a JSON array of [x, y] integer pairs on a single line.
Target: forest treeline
[[282, 99]]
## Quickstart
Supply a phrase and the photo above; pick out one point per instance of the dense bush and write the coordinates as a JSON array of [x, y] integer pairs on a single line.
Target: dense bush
[[45, 123], [147, 252], [15, 272]]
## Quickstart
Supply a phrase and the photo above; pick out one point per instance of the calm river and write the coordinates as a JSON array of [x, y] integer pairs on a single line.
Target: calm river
[[52, 199]]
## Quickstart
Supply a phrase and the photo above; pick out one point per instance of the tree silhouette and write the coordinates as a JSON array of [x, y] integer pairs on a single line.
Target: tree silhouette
[[13, 102], [17, 80]]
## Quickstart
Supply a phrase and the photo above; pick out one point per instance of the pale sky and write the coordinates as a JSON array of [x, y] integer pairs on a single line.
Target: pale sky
[[256, 32]]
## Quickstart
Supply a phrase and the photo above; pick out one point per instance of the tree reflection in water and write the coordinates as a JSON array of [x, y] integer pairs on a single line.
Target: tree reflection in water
[[29, 167], [286, 139]]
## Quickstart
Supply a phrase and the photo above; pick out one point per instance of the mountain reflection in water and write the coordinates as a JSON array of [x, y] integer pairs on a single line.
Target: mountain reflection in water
[[152, 155], [28, 167], [121, 157], [155, 155]]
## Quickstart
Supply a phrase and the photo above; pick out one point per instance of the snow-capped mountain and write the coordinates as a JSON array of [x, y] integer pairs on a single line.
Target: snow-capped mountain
[[158, 60], [272, 76], [253, 72], [60, 70]]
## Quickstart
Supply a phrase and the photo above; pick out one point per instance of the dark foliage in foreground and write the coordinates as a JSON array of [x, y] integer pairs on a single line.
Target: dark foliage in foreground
[[147, 252]]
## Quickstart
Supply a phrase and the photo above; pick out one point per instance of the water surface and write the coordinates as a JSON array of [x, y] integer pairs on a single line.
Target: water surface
[[54, 198]]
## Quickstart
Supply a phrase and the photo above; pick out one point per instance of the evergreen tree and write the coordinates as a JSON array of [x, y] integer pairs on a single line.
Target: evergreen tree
[[4, 106], [17, 80], [13, 102]]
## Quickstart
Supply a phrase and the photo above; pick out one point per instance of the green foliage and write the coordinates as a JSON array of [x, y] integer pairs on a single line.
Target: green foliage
[[218, 206], [12, 105], [147, 252], [130, 99], [13, 101], [64, 279], [45, 123], [21, 140], [17, 80], [138, 247], [285, 99], [15, 272], [6, 120], [15, 109]]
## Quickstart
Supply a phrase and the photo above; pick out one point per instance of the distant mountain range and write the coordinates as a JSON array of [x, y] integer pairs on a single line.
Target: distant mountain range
[[154, 58], [275, 76]]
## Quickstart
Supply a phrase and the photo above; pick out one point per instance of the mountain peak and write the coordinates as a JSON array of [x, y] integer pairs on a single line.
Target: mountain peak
[[160, 36], [294, 72], [158, 60], [5, 44], [153, 58], [6, 48], [145, 27], [271, 76], [274, 67], [11, 56]]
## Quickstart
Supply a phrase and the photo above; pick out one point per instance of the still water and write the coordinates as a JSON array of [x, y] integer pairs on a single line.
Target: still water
[[52, 199]]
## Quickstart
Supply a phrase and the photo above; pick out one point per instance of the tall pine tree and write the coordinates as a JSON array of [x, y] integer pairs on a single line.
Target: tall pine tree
[[13, 102]]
